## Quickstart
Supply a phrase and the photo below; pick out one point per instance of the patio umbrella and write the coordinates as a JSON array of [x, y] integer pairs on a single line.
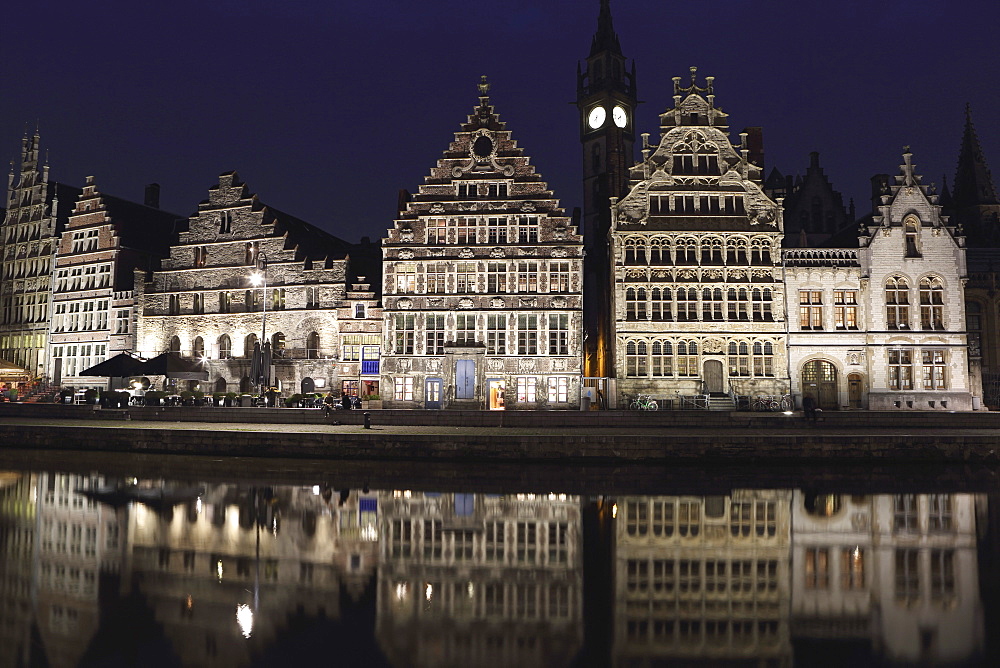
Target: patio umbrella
[[173, 365], [122, 365]]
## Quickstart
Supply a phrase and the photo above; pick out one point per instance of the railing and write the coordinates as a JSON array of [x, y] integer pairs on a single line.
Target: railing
[[692, 402], [800, 257], [369, 367], [764, 402]]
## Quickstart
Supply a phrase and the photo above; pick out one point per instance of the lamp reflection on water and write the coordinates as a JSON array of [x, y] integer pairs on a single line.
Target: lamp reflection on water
[[244, 617]]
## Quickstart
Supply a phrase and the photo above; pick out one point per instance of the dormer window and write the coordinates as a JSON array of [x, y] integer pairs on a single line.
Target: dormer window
[[359, 311]]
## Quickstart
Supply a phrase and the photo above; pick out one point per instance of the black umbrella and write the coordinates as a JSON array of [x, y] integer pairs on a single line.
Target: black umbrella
[[122, 365], [173, 365]]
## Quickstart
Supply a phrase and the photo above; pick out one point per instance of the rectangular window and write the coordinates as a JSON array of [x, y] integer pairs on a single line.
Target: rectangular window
[[817, 574], [558, 389], [437, 231], [934, 370], [526, 389], [406, 277], [939, 513], [900, 370], [559, 334], [845, 309], [558, 276], [465, 277], [907, 577], [527, 277], [496, 335], [527, 334], [527, 229], [465, 230], [436, 277], [852, 568], [810, 309], [496, 277], [434, 327], [123, 321], [403, 389], [497, 231], [405, 334], [904, 513], [465, 329]]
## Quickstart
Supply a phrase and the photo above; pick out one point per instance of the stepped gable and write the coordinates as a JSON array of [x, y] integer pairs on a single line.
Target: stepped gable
[[973, 180], [906, 198], [483, 149], [695, 155]]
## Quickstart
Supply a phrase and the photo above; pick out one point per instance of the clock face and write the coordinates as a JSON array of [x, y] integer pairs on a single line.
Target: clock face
[[620, 116], [596, 117]]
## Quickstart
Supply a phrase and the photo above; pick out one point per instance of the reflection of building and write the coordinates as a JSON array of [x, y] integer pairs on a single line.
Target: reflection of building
[[93, 300], [696, 253], [223, 573], [81, 544], [203, 305], [896, 575], [702, 578], [482, 282], [480, 580], [18, 507], [882, 326], [37, 209]]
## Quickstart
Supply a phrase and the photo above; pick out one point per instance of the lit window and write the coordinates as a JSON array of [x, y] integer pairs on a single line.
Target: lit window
[[404, 389]]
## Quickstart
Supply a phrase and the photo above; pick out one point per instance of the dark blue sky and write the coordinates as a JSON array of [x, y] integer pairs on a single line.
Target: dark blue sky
[[327, 109]]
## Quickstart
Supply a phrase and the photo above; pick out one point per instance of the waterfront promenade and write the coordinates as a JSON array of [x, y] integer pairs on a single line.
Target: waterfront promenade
[[623, 437]]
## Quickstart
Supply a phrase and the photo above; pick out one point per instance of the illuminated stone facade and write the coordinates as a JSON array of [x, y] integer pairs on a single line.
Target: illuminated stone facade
[[37, 210], [202, 303], [482, 283], [699, 304]]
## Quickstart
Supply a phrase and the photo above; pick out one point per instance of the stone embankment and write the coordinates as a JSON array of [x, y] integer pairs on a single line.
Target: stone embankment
[[553, 437]]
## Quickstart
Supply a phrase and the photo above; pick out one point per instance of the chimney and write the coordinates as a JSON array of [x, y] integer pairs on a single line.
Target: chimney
[[152, 198]]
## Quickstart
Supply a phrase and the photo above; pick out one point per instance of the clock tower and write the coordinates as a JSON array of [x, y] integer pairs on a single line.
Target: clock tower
[[606, 99]]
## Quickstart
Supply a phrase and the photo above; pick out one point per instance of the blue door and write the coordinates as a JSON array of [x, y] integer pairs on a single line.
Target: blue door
[[465, 379], [432, 391]]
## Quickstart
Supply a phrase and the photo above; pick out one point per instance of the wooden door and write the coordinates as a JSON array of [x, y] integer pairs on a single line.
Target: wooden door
[[855, 388], [713, 376], [432, 393]]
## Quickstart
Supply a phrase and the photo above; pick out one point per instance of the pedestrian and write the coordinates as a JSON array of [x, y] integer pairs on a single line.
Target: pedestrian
[[809, 407], [345, 401], [328, 402]]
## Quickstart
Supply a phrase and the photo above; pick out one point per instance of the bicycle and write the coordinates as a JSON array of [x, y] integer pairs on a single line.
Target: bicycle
[[643, 402]]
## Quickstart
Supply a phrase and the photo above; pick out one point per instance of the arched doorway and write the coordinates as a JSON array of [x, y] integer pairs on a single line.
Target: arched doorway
[[819, 380], [308, 385], [713, 376], [220, 385], [855, 390]]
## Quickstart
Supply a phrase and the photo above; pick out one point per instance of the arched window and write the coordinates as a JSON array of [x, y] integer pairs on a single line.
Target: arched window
[[278, 344], [248, 343], [225, 347], [687, 358], [245, 385], [763, 359], [221, 386], [897, 303], [312, 345], [635, 359], [931, 303], [199, 347], [739, 359], [911, 236], [175, 344], [662, 358]]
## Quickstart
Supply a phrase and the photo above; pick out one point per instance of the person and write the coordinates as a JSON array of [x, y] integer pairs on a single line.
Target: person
[[328, 402], [345, 401], [809, 407], [356, 402]]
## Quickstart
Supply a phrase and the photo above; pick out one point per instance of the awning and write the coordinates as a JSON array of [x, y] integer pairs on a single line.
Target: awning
[[10, 371], [173, 365], [121, 365]]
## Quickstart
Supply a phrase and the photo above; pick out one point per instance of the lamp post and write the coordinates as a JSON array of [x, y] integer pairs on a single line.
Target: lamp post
[[259, 277]]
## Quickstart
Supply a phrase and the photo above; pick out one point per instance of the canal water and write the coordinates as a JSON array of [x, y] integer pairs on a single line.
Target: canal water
[[178, 562]]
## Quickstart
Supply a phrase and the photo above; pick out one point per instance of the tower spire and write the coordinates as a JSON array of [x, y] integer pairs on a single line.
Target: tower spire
[[605, 39], [973, 184]]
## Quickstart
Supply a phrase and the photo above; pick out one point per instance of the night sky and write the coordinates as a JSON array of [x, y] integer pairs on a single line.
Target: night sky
[[328, 108]]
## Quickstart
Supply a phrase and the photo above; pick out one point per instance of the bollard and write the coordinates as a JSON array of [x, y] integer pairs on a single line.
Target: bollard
[[368, 420]]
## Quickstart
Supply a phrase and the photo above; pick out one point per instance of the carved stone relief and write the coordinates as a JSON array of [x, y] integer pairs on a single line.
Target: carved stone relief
[[525, 365], [495, 364], [465, 302], [497, 253], [496, 302]]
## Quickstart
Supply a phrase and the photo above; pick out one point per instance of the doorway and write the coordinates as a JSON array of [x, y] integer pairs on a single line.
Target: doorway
[[713, 376], [495, 390], [819, 380], [465, 379], [432, 393], [855, 388]]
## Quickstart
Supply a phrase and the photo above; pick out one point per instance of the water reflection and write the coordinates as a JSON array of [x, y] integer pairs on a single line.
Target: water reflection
[[217, 574]]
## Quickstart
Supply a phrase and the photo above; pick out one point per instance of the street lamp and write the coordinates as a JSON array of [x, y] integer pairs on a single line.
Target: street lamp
[[259, 277]]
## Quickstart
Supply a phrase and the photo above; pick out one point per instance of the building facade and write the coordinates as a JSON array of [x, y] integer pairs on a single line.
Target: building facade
[[482, 283], [883, 326], [93, 297], [37, 212], [699, 303], [203, 305]]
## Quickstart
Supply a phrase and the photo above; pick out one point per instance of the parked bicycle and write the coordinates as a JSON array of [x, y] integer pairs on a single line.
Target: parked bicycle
[[644, 402]]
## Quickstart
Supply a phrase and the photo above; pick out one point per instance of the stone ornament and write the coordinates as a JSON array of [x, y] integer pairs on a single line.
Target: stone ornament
[[497, 253], [713, 346], [405, 303], [466, 253], [496, 302], [559, 302], [495, 364], [437, 207], [527, 207], [405, 254], [529, 302], [465, 302], [433, 365], [403, 364], [560, 252], [525, 365]]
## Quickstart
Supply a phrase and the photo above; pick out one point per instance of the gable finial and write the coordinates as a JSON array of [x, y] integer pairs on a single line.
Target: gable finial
[[483, 86]]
